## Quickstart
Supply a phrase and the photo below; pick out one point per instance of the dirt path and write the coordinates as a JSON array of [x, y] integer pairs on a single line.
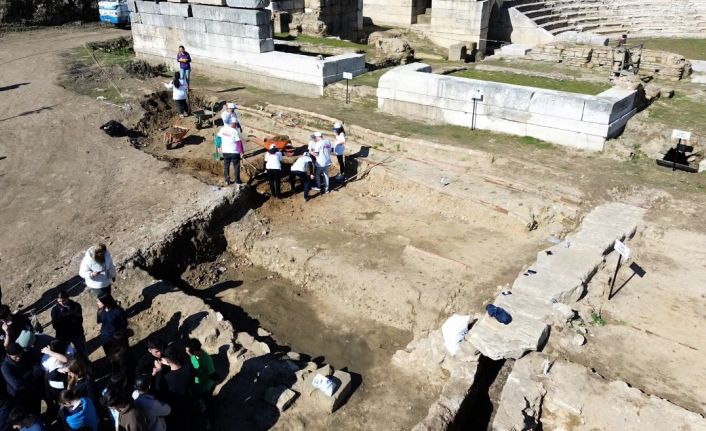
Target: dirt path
[[66, 184]]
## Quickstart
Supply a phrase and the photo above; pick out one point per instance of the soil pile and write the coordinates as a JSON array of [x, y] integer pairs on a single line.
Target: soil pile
[[142, 69]]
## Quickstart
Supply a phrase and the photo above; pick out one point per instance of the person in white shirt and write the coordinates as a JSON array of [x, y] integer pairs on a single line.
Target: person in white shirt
[[231, 113], [231, 149], [339, 149], [180, 88], [322, 152], [303, 168], [98, 270], [273, 164]]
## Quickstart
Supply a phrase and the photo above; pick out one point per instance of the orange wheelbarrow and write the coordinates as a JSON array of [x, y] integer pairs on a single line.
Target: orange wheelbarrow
[[282, 142], [175, 135]]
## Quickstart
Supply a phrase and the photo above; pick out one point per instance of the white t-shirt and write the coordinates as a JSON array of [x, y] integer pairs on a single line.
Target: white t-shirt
[[312, 145], [273, 161], [323, 149], [300, 164], [340, 144], [50, 363], [229, 136], [178, 93]]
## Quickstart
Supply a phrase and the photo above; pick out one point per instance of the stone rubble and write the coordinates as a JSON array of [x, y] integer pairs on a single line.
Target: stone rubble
[[559, 276]]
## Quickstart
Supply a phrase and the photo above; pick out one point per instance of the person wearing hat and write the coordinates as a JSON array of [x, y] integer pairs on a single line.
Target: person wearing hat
[[322, 152], [155, 411], [339, 149], [22, 376], [303, 168], [98, 270], [273, 165], [229, 113], [67, 320], [231, 149]]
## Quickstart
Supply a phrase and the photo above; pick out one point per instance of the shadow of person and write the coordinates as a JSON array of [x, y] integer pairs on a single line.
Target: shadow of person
[[149, 293], [73, 286]]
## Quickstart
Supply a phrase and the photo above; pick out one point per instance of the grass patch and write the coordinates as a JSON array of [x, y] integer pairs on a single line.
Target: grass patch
[[694, 49], [679, 112], [325, 41], [536, 143], [571, 86], [370, 79]]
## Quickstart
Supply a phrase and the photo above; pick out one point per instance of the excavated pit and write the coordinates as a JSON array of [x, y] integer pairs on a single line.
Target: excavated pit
[[347, 279]]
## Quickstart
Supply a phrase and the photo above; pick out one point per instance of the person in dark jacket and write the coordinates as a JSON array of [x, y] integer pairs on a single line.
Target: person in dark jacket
[[23, 421], [7, 404], [112, 319], [155, 410], [12, 325], [178, 389], [67, 320], [78, 413], [80, 380], [23, 378]]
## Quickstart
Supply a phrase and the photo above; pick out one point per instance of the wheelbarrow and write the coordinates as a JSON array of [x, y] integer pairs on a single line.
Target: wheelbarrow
[[175, 135], [203, 118], [282, 142]]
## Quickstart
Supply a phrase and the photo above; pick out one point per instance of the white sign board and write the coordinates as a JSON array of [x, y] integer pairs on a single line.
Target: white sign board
[[622, 249], [681, 134], [477, 95], [347, 75]]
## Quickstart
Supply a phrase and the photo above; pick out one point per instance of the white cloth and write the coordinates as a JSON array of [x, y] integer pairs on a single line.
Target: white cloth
[[300, 164], [50, 363], [226, 116], [340, 144], [106, 271], [180, 92], [323, 149], [229, 137], [454, 331], [311, 146], [273, 161]]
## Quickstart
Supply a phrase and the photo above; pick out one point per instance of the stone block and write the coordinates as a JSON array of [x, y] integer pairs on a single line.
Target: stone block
[[698, 66], [248, 4], [178, 1], [282, 21], [147, 7], [342, 380], [237, 30], [175, 9], [457, 52], [280, 397], [241, 16], [195, 25], [131, 6], [209, 2], [515, 50], [521, 398]]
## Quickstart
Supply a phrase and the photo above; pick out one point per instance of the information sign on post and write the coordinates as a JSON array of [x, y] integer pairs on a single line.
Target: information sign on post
[[347, 76], [681, 134], [623, 252]]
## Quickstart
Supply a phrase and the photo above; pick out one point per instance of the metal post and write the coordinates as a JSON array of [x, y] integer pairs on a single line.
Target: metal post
[[348, 98], [617, 267]]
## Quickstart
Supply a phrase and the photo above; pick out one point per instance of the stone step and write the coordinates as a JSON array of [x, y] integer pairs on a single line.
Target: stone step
[[423, 19]]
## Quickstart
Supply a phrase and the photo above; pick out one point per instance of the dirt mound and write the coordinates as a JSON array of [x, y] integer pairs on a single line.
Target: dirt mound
[[120, 45], [142, 69], [159, 109]]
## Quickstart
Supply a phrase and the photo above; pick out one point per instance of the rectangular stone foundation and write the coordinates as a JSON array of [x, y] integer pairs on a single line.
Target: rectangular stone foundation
[[574, 120]]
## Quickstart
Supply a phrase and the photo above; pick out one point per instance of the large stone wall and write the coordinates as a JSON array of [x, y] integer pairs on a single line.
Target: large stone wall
[[569, 119], [232, 43], [399, 13]]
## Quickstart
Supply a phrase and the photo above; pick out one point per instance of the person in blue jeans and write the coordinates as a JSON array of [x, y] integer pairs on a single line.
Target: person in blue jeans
[[184, 60]]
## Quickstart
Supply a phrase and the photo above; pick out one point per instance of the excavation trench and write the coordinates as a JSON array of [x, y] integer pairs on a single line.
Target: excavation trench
[[349, 278]]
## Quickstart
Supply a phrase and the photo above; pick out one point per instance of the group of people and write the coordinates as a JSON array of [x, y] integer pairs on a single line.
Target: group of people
[[312, 166], [167, 388]]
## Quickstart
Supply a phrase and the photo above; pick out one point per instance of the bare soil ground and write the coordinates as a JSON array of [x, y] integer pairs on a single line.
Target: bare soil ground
[[351, 276]]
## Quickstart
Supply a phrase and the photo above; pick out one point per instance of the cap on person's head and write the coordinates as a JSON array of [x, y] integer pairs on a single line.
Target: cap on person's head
[[273, 146], [337, 125], [26, 339], [232, 120], [231, 105], [13, 349], [318, 134]]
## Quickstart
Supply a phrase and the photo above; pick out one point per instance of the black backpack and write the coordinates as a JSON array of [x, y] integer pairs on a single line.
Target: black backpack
[[114, 129]]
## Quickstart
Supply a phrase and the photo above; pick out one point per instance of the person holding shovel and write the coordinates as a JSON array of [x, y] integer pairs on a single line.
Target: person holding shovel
[[231, 149]]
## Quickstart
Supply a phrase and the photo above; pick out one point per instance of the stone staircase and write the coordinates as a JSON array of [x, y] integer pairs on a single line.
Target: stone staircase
[[424, 18], [613, 17]]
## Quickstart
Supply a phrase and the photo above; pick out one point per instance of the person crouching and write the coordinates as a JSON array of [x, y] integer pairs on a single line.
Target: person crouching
[[303, 168]]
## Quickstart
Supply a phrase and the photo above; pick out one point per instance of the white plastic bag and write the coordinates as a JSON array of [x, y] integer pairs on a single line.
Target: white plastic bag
[[454, 331], [324, 384]]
